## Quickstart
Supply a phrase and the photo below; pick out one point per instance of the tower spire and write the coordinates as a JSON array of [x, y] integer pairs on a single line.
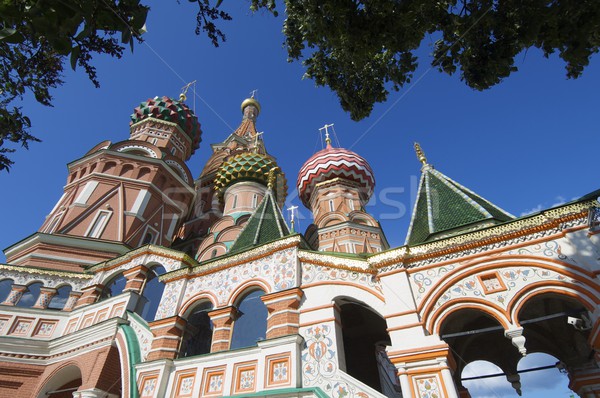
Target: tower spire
[[420, 154]]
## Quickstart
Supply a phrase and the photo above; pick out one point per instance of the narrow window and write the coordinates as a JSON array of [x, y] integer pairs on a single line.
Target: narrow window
[[86, 192], [114, 287], [142, 199], [234, 202], [198, 333], [30, 296], [148, 238], [251, 325], [254, 201], [351, 204], [59, 300], [173, 151], [152, 294], [5, 289], [98, 225], [330, 205], [153, 141]]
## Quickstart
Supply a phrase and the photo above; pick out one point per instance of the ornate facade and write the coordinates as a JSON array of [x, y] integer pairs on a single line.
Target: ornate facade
[[143, 282]]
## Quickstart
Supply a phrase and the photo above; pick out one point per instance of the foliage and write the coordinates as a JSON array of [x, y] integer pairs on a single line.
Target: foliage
[[36, 37], [361, 49]]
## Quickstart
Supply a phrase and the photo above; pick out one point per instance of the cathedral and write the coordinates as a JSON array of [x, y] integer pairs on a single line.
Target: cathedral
[[146, 282]]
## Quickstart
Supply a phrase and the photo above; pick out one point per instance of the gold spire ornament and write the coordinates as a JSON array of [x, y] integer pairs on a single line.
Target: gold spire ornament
[[420, 154], [184, 89], [272, 177]]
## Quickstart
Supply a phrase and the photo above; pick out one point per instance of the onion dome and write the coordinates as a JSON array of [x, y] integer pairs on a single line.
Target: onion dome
[[170, 110], [245, 166], [330, 163]]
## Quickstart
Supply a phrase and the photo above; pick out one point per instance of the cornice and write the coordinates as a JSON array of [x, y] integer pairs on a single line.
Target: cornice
[[512, 232], [142, 251], [43, 271], [233, 260], [335, 261]]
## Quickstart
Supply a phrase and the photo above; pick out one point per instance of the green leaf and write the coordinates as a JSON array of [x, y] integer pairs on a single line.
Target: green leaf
[[6, 32]]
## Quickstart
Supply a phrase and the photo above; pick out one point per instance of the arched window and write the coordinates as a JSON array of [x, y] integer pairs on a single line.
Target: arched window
[[251, 325], [114, 287], [152, 294], [198, 331], [30, 296], [5, 288], [60, 298]]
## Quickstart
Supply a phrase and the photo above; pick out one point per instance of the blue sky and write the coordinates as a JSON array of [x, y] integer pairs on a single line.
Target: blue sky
[[525, 145]]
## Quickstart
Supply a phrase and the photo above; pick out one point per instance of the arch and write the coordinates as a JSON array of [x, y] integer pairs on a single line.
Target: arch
[[141, 148], [126, 170], [364, 336], [31, 295], [332, 218], [361, 218], [472, 334], [250, 325], [209, 252], [67, 377], [478, 267], [544, 317], [152, 293], [352, 285], [59, 300], [241, 290], [108, 166], [585, 298], [433, 322], [143, 172], [501, 386], [114, 286], [5, 288], [197, 336], [185, 309]]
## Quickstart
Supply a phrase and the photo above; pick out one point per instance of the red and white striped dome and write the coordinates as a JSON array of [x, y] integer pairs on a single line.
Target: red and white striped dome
[[330, 163]]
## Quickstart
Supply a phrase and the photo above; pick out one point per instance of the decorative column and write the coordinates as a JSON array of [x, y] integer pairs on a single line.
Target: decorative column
[[167, 337], [517, 339], [71, 301], [15, 295], [135, 279], [426, 371], [284, 316], [46, 294], [89, 295], [222, 320]]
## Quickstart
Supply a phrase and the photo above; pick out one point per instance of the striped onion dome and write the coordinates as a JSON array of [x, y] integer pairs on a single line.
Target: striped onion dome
[[330, 163], [170, 110], [248, 166]]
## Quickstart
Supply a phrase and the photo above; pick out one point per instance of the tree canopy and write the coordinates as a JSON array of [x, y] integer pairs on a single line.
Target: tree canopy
[[360, 49]]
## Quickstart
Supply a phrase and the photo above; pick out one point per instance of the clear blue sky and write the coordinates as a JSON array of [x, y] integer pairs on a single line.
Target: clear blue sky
[[526, 144]]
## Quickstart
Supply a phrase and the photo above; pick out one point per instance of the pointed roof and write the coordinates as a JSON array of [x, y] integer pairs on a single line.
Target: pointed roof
[[265, 225], [444, 207]]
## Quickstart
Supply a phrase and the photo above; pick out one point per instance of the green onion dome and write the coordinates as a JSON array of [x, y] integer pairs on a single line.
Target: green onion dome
[[170, 110], [248, 166]]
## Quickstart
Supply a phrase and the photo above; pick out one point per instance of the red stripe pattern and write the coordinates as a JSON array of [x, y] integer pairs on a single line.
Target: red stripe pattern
[[331, 163]]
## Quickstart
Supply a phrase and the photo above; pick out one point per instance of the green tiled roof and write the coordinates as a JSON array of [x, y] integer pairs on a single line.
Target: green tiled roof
[[265, 225], [444, 207]]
